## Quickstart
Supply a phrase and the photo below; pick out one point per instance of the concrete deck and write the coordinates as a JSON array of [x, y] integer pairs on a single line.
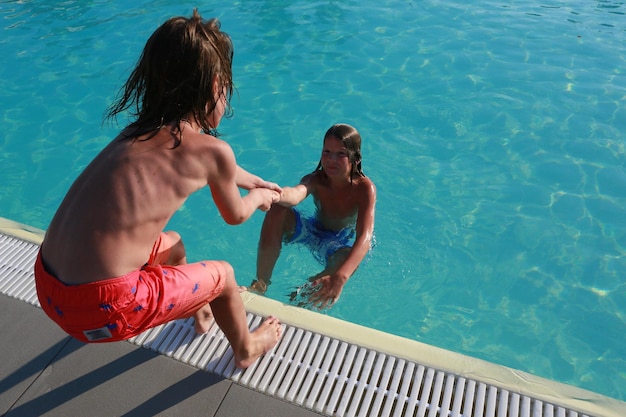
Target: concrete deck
[[44, 372]]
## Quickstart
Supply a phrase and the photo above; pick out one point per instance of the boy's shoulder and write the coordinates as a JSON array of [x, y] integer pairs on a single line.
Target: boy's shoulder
[[205, 144], [366, 186], [363, 180], [312, 178]]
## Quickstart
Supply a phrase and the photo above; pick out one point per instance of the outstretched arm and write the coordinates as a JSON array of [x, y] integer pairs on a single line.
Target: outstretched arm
[[331, 281], [292, 196], [225, 181], [248, 181]]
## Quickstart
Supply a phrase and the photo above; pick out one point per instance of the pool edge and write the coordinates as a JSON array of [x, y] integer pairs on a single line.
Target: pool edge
[[569, 396]]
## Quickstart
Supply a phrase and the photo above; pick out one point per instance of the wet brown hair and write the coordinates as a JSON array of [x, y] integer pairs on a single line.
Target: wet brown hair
[[174, 77], [351, 139]]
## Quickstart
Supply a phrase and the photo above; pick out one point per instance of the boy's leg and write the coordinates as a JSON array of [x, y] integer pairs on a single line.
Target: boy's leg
[[177, 253], [168, 250], [279, 222], [230, 314], [226, 307]]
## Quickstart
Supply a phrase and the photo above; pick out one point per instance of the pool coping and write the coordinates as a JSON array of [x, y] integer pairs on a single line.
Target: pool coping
[[569, 396]]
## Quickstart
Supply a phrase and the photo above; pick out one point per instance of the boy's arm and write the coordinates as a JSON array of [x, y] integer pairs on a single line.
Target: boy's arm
[[223, 180], [248, 181], [331, 285], [292, 196], [364, 234]]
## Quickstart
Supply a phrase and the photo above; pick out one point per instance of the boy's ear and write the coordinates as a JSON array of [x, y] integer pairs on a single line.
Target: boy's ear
[[216, 87]]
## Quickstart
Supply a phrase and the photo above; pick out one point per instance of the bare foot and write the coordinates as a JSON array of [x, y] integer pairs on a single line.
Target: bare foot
[[258, 286], [203, 319], [261, 341]]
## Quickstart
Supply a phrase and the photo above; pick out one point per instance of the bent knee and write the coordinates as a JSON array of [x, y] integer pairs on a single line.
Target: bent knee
[[178, 254], [277, 214], [279, 221], [228, 275], [228, 269]]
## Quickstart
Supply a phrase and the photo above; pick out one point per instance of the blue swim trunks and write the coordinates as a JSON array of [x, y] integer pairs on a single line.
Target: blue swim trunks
[[323, 243]]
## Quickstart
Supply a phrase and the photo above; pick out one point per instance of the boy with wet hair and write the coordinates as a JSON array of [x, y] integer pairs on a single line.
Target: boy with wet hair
[[339, 233], [106, 270]]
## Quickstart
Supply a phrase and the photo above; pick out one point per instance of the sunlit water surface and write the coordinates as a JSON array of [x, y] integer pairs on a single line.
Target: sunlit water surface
[[494, 132]]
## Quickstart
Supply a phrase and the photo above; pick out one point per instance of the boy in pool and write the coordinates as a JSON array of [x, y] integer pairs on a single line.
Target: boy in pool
[[340, 233], [106, 271]]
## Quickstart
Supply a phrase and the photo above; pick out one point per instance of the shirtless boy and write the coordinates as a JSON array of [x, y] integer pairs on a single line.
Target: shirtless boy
[[106, 271], [339, 234]]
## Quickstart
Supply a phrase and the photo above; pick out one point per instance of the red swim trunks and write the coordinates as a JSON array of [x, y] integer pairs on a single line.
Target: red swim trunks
[[122, 307]]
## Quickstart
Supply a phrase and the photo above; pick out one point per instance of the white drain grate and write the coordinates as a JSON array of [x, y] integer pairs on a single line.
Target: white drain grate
[[335, 378], [311, 370], [17, 258]]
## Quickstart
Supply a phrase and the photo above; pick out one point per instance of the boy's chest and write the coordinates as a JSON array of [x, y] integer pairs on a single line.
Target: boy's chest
[[336, 204]]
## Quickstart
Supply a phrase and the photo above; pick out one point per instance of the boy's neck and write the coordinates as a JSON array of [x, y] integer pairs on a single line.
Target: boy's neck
[[191, 124], [339, 183]]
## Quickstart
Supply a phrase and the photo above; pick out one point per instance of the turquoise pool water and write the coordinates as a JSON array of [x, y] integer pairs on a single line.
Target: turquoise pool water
[[494, 132]]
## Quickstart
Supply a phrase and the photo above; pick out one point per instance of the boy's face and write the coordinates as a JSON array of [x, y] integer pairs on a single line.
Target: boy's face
[[335, 158]]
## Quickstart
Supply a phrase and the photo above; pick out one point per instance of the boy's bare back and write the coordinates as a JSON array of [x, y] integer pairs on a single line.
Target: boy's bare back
[[114, 212]]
